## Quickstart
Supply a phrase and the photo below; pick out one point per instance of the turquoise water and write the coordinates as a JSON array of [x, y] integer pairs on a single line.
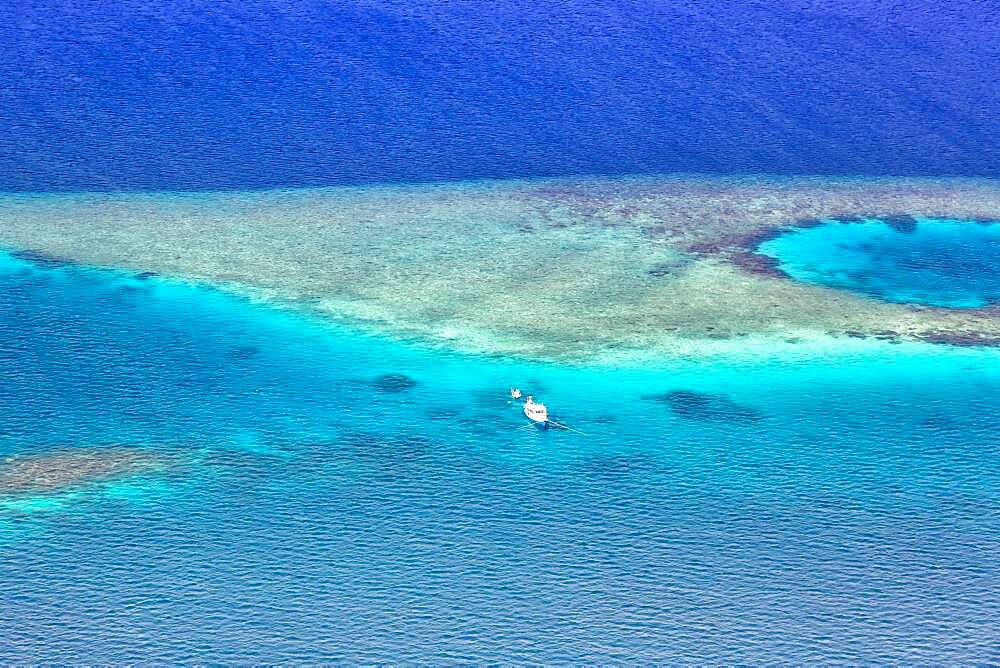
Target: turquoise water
[[937, 262], [838, 509]]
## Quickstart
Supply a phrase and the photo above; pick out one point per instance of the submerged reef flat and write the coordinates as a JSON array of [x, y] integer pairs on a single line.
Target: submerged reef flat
[[554, 269], [61, 470]]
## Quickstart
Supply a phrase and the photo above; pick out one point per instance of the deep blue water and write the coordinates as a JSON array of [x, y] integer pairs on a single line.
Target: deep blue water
[[938, 262], [241, 94], [842, 510]]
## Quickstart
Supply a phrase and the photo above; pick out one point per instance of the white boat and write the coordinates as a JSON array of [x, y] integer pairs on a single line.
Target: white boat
[[539, 414], [536, 412]]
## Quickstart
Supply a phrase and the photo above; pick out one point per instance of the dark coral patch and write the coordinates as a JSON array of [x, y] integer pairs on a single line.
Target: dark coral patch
[[614, 465], [740, 250], [844, 220], [703, 407], [663, 269], [806, 223], [711, 247], [962, 339], [243, 352], [886, 335], [751, 240], [756, 263], [393, 383], [132, 289], [42, 259], [902, 224], [658, 231]]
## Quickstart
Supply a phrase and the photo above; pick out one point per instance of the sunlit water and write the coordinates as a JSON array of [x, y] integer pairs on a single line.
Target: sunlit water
[[840, 509], [938, 262]]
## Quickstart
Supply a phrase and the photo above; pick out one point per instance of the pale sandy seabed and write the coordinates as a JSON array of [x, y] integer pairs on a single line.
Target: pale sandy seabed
[[581, 269]]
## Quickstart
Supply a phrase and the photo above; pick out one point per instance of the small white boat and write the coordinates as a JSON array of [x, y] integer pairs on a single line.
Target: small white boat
[[536, 412]]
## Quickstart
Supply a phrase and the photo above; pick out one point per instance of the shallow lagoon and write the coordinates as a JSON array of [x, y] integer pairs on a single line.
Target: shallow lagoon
[[314, 515], [948, 263]]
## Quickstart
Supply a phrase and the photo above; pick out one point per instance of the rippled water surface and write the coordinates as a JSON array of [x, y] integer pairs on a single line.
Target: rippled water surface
[[938, 262], [325, 496]]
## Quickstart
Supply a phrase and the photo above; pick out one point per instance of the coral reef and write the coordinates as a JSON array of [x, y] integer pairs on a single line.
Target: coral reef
[[560, 269], [58, 470]]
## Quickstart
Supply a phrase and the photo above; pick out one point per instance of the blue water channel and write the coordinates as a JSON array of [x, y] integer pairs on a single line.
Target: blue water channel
[[930, 261]]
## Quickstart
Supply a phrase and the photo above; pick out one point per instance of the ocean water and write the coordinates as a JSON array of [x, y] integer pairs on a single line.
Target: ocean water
[[319, 494], [937, 262], [253, 94], [317, 506]]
